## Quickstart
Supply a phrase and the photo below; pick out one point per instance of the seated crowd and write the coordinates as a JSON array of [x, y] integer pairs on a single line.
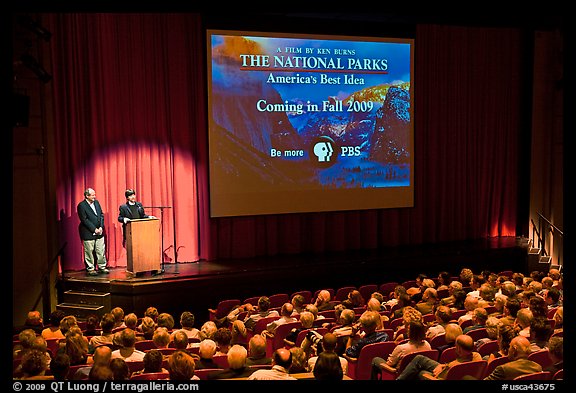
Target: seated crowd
[[509, 325]]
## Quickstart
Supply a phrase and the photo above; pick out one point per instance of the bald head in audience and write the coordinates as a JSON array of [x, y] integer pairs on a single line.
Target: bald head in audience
[[257, 346], [282, 357], [519, 348], [102, 355], [237, 355]]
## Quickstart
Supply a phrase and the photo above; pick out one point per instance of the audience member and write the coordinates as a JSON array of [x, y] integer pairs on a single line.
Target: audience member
[[443, 281], [511, 309], [153, 359], [552, 297], [470, 304], [523, 320], [147, 327], [422, 367], [257, 351], [53, 329], [241, 310], [540, 333], [106, 336], [443, 316], [323, 300], [237, 367], [118, 313], [479, 319], [180, 340], [120, 369], [239, 333], [161, 338], [299, 360], [101, 373], [307, 321], [60, 366], [285, 317], [475, 283], [429, 301], [518, 364], [263, 312], [367, 323], [374, 305], [404, 301], [508, 289], [34, 365], [222, 338], [492, 324], [298, 303], [33, 321], [499, 303], [92, 326], [453, 330], [465, 276], [416, 342], [181, 366], [131, 321], [518, 280], [26, 340], [151, 312], [344, 328], [165, 320], [76, 347], [537, 305], [487, 295], [506, 334], [187, 321], [459, 299], [207, 330], [329, 344], [556, 353], [281, 361], [328, 367], [206, 353], [127, 351], [452, 287], [354, 300], [102, 357], [410, 314], [559, 320], [393, 297]]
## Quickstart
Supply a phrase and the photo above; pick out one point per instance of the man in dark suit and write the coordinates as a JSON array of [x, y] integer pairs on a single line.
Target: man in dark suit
[[91, 230], [130, 210]]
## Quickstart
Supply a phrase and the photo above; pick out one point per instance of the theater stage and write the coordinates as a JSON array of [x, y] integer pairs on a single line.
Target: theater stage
[[197, 286]]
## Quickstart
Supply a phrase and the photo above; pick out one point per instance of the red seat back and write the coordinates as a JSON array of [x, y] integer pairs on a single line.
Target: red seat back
[[474, 369], [492, 364], [150, 376], [542, 357], [540, 376], [363, 366]]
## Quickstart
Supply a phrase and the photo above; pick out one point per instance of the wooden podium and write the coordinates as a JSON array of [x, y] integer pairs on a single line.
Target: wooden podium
[[143, 245]]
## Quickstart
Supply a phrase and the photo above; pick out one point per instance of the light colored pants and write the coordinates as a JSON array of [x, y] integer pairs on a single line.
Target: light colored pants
[[94, 245]]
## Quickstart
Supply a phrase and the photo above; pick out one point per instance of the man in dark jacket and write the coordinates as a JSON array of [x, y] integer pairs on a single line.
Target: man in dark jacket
[[131, 210], [91, 230]]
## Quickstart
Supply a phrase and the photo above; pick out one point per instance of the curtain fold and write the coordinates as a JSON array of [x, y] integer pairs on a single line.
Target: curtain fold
[[130, 112]]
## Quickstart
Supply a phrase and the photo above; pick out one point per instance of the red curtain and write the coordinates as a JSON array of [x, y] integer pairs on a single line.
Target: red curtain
[[129, 100], [128, 112]]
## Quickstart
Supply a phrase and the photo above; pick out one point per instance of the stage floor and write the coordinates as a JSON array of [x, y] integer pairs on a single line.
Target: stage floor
[[232, 266], [197, 286]]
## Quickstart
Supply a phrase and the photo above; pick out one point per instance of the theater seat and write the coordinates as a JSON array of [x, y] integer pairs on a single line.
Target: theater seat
[[150, 376]]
